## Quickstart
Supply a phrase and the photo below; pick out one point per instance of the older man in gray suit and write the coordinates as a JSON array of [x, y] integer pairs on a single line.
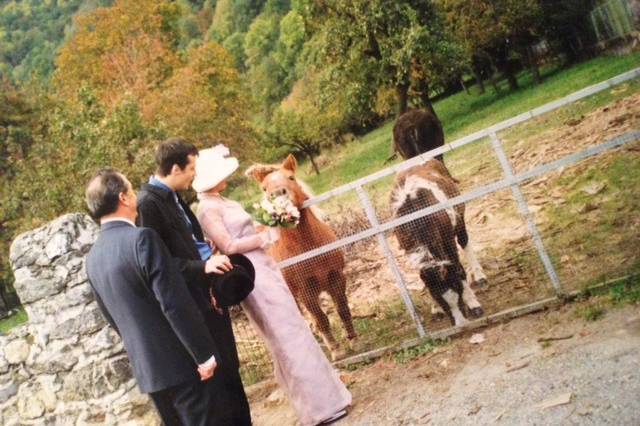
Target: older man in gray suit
[[143, 296]]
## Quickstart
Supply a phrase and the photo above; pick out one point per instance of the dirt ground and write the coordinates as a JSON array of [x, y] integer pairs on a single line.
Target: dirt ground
[[590, 376]]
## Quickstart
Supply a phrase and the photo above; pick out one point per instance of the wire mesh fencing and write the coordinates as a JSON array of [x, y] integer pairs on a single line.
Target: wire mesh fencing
[[525, 211]]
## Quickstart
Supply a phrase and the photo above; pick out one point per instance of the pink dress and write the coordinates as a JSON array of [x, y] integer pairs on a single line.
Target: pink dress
[[301, 368]]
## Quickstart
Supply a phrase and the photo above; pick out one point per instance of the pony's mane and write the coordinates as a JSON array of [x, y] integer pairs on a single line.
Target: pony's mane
[[317, 212]]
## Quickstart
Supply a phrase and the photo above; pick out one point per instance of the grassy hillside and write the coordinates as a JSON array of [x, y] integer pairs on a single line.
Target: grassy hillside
[[462, 114]]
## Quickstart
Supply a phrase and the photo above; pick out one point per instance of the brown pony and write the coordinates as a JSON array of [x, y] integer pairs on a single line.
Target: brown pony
[[311, 277]]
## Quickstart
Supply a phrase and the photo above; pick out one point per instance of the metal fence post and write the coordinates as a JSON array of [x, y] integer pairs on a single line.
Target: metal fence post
[[524, 210], [382, 240]]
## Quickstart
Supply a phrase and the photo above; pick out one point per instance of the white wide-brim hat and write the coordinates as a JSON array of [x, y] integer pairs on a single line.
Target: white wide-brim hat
[[213, 165]]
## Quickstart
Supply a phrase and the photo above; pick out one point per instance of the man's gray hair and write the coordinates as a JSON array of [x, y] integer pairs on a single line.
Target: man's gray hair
[[103, 192]]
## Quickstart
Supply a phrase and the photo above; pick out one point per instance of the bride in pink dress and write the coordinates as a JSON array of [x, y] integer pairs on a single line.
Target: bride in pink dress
[[301, 368]]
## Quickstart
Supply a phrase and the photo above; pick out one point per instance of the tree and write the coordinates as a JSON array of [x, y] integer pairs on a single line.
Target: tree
[[401, 43], [125, 51], [205, 101], [493, 31]]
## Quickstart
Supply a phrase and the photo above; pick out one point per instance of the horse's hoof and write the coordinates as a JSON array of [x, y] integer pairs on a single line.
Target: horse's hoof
[[438, 316], [476, 312], [337, 354], [353, 342], [481, 283]]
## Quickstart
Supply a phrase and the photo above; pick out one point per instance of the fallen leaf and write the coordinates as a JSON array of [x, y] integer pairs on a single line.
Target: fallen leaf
[[476, 339], [518, 367], [562, 399], [474, 410], [550, 338], [594, 188]]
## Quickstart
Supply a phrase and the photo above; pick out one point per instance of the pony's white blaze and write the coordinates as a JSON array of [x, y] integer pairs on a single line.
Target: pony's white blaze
[[410, 189]]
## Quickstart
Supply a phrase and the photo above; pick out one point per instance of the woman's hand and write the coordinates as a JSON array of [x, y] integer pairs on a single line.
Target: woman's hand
[[218, 264], [269, 237]]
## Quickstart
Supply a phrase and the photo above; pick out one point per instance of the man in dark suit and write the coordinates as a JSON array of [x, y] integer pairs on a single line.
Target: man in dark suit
[[162, 209], [143, 297]]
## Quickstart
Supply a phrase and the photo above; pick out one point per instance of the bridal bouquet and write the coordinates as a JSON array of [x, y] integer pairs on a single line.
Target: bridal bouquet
[[277, 211]]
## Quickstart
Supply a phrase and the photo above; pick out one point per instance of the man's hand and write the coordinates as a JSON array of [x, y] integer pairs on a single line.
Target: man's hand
[[218, 265], [207, 369]]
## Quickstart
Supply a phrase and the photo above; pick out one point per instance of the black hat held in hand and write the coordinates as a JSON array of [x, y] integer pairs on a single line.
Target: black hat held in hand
[[234, 286]]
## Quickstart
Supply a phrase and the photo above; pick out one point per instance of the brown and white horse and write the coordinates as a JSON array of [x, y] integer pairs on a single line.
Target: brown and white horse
[[430, 241], [311, 277]]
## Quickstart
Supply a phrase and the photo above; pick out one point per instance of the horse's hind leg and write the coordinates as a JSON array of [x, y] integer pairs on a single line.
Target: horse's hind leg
[[338, 291], [311, 302], [476, 273]]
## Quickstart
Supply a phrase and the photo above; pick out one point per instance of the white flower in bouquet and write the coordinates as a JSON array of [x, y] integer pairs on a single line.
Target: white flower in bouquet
[[277, 211]]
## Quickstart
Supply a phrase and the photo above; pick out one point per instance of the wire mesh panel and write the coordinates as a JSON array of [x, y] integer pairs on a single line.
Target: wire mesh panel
[[473, 165], [255, 360], [573, 128], [344, 214], [350, 299], [498, 262], [589, 218]]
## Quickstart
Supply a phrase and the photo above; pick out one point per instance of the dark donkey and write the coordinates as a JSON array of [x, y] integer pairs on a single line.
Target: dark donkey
[[430, 241]]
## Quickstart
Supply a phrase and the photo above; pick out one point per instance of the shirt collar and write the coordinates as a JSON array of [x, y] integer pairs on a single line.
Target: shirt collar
[[117, 219], [158, 183]]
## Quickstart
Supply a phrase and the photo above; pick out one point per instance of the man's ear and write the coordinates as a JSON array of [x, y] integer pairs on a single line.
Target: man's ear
[[122, 198], [175, 169], [290, 163]]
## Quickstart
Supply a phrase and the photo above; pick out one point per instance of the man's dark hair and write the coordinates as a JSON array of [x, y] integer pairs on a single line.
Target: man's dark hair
[[173, 151], [103, 192]]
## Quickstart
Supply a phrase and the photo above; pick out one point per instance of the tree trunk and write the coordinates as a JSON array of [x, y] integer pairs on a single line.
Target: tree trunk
[[510, 76], [492, 79], [464, 86], [313, 162], [479, 80], [402, 90], [533, 65], [423, 86]]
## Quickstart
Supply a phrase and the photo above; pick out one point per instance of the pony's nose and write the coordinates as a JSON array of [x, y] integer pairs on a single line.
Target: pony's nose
[[279, 192]]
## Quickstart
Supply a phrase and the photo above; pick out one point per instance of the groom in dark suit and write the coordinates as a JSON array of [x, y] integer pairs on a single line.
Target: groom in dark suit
[[161, 208], [144, 298]]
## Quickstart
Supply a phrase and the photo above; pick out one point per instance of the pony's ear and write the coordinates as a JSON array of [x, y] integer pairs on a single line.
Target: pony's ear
[[290, 163], [260, 171]]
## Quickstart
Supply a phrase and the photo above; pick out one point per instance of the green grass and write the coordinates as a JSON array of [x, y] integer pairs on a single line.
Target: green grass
[[19, 317], [624, 292], [409, 354]]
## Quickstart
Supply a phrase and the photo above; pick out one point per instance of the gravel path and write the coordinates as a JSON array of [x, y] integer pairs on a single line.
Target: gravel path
[[590, 377]]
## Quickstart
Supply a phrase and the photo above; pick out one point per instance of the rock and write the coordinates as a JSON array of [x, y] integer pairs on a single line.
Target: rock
[[17, 351], [59, 244], [32, 287], [96, 380], [29, 404], [4, 364], [7, 391], [47, 391], [87, 322], [104, 340]]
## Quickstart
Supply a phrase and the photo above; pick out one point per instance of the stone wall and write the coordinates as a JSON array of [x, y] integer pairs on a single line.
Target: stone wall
[[66, 366]]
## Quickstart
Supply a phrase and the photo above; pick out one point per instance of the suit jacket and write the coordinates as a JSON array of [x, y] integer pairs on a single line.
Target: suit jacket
[[157, 210], [143, 297]]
